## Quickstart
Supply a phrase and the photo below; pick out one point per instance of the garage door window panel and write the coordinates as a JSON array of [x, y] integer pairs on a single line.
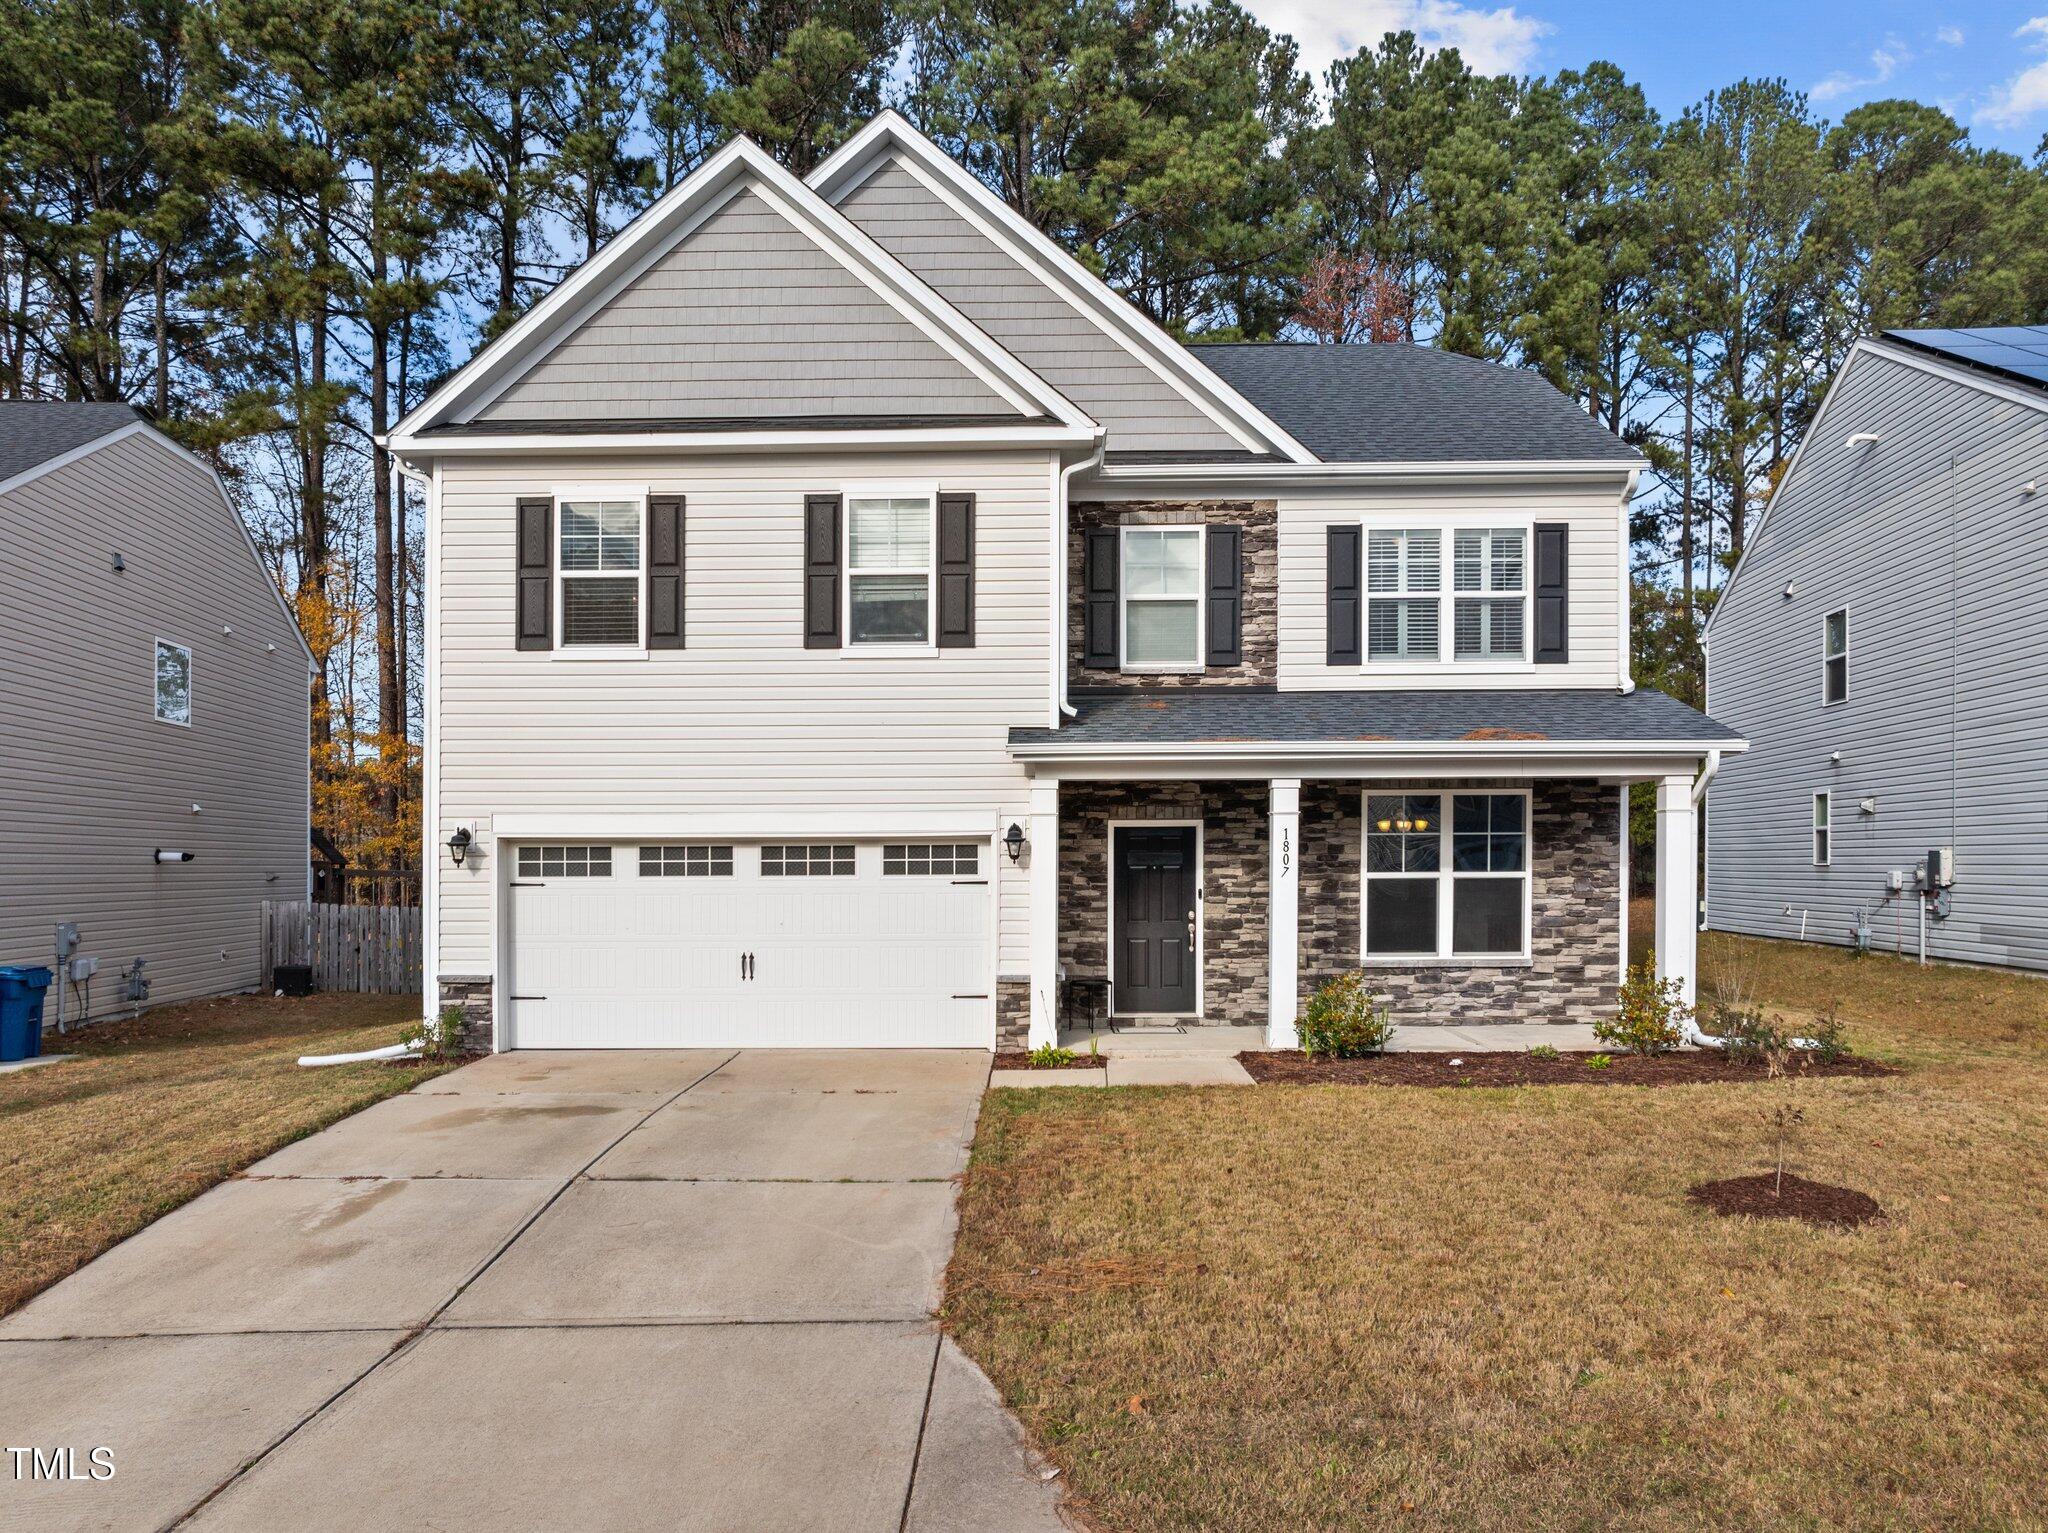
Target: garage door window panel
[[807, 860], [565, 862], [919, 859], [686, 862]]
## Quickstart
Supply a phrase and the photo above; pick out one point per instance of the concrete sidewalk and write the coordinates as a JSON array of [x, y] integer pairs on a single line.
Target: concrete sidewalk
[[647, 1290]]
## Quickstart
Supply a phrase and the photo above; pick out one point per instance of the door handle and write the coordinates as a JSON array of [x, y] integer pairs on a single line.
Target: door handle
[[1191, 931]]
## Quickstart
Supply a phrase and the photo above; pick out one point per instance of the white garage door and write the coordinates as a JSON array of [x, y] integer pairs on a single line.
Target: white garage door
[[748, 945]]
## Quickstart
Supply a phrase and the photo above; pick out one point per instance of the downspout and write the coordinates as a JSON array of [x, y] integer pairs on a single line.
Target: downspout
[[1625, 679], [1059, 575], [430, 894]]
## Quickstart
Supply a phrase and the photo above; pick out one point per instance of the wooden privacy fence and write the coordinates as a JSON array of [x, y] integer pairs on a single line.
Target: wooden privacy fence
[[371, 949]]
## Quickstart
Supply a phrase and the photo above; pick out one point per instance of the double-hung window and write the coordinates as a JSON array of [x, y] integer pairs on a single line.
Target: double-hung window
[[1162, 598], [1446, 875], [889, 569], [1490, 584], [600, 574], [173, 683], [1404, 593], [1834, 661], [1822, 851]]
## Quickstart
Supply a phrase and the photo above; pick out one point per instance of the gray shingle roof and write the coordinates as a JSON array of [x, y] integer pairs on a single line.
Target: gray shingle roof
[[2017, 352], [1410, 404], [33, 431], [1232, 716]]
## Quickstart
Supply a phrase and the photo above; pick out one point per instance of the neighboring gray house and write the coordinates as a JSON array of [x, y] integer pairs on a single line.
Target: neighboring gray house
[[850, 622], [1884, 647], [153, 698]]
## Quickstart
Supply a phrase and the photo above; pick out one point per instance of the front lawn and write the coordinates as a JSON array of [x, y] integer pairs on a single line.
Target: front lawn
[[1326, 1306], [158, 1110]]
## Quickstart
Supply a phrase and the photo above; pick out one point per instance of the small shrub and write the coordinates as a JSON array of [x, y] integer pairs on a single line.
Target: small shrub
[[1830, 1041], [1050, 1056], [439, 1038], [1751, 1036], [1599, 1061], [1544, 1051], [1650, 1014], [1345, 1020]]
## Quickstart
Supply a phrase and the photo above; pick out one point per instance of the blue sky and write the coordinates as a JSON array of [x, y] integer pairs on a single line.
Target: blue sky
[[1986, 63]]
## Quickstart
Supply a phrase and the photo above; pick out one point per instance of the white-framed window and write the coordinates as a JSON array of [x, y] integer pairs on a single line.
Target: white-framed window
[[917, 858], [1161, 588], [1446, 876], [686, 862], [889, 586], [1822, 850], [173, 683], [1404, 593], [807, 861], [565, 862], [600, 572], [1834, 658], [1490, 585]]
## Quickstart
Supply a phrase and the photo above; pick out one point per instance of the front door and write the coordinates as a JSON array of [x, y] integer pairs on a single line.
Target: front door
[[1154, 936]]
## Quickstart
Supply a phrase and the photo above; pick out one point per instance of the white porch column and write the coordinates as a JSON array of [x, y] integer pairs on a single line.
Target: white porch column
[[1045, 913], [1283, 914], [1678, 884]]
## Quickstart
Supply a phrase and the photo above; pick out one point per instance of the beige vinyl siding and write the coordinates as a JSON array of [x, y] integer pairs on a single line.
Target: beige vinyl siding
[[1942, 572], [90, 782], [746, 316], [744, 720], [1598, 614], [1027, 317]]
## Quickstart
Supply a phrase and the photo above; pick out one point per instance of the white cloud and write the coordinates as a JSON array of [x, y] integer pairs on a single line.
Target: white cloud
[[1885, 62], [1949, 37], [1501, 40], [2025, 95]]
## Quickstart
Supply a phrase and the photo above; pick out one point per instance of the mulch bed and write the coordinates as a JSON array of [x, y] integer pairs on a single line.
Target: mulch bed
[[1018, 1059], [1688, 1067], [1815, 1202]]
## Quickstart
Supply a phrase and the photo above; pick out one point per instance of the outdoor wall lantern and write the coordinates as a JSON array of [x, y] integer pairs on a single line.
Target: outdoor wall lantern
[[1013, 841], [458, 844]]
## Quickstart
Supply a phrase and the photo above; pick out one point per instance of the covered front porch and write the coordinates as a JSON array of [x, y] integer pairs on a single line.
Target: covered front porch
[[1216, 880]]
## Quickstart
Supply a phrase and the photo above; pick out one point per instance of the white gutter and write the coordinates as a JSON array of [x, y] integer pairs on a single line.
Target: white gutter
[[1706, 777], [1364, 473], [1056, 750], [1059, 578]]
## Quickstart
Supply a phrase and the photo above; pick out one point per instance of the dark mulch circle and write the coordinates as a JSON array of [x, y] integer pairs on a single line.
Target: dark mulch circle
[[1686, 1067], [1018, 1059], [1815, 1202]]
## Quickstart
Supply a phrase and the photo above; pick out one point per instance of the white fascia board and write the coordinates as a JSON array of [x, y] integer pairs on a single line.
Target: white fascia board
[[1385, 750], [1154, 476], [670, 443], [1173, 363], [498, 365], [1444, 764], [743, 825], [141, 428]]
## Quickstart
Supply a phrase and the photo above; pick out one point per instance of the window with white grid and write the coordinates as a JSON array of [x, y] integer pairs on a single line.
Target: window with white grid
[[686, 862], [807, 860], [565, 862], [1404, 593], [920, 857], [1490, 585]]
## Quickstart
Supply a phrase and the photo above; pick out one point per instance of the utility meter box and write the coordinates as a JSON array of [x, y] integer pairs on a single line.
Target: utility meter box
[[1941, 867], [1895, 880]]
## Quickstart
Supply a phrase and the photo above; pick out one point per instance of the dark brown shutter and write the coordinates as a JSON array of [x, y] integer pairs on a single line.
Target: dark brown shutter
[[1344, 600], [956, 572], [1098, 596], [1551, 589], [821, 572], [665, 572], [534, 595], [1226, 596]]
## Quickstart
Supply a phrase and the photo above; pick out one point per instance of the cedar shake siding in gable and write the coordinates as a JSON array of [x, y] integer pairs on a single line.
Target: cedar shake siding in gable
[[1258, 629], [1028, 318], [746, 317]]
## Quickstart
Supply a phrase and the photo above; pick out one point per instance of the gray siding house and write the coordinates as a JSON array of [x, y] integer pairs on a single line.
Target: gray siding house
[[1884, 647], [153, 688], [849, 622]]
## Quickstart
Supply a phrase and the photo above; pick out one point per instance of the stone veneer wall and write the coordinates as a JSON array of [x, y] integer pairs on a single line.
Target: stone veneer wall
[[472, 992], [1261, 632], [1574, 972], [1234, 877], [1013, 1013]]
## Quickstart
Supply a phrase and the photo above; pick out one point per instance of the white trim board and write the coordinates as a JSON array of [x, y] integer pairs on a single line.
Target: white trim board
[[889, 133], [671, 443]]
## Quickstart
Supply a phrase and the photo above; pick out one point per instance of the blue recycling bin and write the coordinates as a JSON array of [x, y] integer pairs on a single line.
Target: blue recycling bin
[[21, 1010]]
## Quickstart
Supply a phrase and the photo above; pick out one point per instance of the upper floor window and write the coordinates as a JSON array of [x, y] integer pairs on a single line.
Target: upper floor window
[[889, 569], [173, 682], [1404, 586], [1162, 598], [1489, 576], [600, 574], [1834, 649]]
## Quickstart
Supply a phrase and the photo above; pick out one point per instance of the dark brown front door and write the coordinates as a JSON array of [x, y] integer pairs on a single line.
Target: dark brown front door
[[1154, 937]]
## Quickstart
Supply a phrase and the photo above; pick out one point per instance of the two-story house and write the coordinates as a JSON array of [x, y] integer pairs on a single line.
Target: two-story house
[[851, 623]]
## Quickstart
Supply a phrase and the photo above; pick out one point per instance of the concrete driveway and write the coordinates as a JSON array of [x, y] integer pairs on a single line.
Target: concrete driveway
[[595, 1290]]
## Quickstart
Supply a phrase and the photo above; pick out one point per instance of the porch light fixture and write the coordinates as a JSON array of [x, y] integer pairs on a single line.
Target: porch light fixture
[[458, 844], [1013, 841]]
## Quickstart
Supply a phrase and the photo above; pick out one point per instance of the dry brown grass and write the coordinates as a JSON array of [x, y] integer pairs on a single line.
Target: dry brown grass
[[160, 1109], [1320, 1307]]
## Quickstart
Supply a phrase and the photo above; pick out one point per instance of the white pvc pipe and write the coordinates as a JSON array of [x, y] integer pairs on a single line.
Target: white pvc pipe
[[395, 1051], [1689, 1032]]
